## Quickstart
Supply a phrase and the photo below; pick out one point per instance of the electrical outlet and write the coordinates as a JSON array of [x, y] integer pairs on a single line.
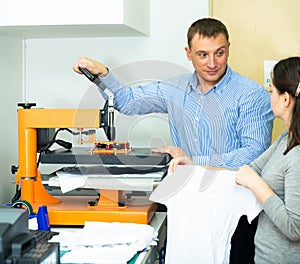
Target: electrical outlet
[[268, 67]]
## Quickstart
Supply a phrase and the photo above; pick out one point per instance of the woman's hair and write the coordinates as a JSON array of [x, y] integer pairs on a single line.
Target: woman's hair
[[206, 27], [286, 78]]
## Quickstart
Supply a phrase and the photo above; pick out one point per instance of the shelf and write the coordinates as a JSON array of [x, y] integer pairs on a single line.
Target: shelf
[[95, 18]]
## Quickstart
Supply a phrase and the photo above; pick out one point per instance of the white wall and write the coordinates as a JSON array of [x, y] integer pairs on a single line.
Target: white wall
[[50, 81], [11, 94]]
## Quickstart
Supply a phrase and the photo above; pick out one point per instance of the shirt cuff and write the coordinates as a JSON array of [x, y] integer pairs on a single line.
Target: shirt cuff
[[111, 82]]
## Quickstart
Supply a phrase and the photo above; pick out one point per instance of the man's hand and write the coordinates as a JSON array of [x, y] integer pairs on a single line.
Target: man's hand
[[92, 66], [174, 152], [178, 155]]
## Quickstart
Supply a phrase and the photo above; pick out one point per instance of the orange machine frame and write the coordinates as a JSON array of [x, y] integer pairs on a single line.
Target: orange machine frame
[[67, 210]]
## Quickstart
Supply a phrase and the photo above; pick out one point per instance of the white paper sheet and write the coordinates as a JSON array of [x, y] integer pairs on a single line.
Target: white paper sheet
[[105, 243]]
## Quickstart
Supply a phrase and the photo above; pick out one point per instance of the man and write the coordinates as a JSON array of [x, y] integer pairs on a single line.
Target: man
[[216, 116]]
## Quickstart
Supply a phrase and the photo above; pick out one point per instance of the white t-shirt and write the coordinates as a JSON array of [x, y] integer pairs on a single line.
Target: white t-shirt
[[204, 207]]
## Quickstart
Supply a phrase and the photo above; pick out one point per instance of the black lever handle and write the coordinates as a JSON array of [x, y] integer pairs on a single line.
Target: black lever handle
[[88, 74]]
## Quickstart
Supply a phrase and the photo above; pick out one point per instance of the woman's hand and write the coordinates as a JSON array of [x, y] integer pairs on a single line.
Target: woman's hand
[[246, 177], [251, 180], [184, 160], [178, 155]]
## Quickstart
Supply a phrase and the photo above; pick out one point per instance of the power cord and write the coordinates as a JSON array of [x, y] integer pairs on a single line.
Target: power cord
[[46, 147], [64, 144]]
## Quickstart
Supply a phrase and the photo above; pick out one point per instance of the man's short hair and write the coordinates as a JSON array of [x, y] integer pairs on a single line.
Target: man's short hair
[[207, 27]]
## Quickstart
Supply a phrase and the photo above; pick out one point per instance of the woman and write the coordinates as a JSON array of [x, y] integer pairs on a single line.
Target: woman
[[274, 177]]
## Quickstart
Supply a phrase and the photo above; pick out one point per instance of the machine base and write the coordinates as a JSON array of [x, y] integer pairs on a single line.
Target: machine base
[[75, 210]]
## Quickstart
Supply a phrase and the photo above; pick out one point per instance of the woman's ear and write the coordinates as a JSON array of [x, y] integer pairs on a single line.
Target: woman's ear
[[287, 99]]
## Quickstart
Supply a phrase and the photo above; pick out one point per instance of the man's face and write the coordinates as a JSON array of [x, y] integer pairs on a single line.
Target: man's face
[[209, 56]]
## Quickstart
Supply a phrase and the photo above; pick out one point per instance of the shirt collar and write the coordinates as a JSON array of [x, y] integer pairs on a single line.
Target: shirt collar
[[222, 84], [218, 88], [193, 84]]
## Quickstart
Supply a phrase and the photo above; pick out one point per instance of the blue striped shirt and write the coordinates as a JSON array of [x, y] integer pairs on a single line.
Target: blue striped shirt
[[228, 126]]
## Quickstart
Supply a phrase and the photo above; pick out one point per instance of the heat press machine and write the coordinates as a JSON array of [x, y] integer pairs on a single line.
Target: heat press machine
[[34, 127]]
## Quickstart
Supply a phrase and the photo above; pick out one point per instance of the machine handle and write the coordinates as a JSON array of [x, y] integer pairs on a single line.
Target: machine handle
[[90, 76]]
